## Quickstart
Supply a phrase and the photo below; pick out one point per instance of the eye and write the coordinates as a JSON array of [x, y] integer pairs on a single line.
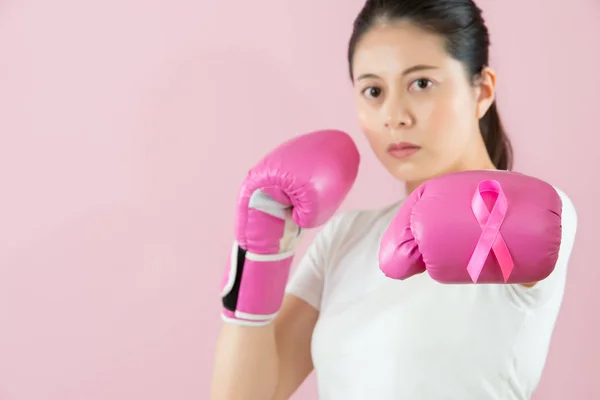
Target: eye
[[372, 92], [421, 84]]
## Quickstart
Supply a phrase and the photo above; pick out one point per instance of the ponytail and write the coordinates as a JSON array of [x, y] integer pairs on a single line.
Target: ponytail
[[496, 140]]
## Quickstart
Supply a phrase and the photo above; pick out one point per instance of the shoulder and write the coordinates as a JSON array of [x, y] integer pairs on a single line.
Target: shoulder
[[569, 222], [569, 212], [553, 286]]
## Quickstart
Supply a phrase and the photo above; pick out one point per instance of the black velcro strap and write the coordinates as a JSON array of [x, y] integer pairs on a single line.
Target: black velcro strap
[[230, 299]]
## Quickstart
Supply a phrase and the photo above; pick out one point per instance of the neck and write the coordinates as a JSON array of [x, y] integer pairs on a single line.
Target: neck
[[478, 160]]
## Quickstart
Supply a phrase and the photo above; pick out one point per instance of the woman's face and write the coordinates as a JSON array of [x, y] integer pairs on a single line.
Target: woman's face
[[416, 104]]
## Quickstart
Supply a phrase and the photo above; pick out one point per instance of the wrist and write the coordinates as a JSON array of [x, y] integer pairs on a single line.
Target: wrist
[[254, 286]]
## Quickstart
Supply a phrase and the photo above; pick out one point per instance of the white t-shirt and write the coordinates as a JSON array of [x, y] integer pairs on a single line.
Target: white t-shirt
[[384, 339]]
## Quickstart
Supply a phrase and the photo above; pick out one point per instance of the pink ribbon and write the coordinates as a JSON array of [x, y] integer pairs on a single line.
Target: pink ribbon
[[491, 239]]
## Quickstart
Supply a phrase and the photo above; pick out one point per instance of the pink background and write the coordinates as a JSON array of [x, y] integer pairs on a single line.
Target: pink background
[[127, 126]]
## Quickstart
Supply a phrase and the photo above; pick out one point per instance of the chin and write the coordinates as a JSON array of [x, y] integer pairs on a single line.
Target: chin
[[410, 172]]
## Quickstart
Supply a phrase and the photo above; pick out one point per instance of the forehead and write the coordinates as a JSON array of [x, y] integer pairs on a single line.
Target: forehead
[[398, 46]]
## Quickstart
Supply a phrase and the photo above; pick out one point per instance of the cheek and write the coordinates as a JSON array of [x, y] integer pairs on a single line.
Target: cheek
[[368, 121], [447, 121]]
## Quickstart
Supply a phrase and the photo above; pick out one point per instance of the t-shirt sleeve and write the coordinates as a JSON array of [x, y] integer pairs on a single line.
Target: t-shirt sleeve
[[308, 278], [554, 285]]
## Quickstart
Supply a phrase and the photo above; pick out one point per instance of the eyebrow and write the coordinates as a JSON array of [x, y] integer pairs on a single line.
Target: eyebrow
[[407, 71]]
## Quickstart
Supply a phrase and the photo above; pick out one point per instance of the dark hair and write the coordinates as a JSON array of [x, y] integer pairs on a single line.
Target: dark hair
[[467, 40]]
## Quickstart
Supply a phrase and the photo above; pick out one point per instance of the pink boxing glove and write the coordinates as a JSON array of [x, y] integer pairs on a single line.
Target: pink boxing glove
[[298, 185], [476, 227]]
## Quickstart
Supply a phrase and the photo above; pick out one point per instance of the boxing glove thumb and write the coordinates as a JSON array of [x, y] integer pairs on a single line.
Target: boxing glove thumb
[[399, 255]]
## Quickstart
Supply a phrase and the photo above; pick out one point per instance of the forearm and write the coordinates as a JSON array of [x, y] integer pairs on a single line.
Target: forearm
[[246, 363]]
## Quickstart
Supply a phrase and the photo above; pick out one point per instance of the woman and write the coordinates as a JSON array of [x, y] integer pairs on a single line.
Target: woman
[[421, 76]]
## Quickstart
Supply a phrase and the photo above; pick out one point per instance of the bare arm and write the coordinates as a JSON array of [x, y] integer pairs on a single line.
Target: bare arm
[[266, 362]]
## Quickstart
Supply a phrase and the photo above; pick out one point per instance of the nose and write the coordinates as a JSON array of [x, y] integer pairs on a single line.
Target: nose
[[397, 115]]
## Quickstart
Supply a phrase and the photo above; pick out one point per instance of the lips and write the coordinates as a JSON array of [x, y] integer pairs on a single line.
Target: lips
[[402, 149], [402, 146]]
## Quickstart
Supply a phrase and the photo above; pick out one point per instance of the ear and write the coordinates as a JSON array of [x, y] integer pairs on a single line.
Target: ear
[[485, 91]]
